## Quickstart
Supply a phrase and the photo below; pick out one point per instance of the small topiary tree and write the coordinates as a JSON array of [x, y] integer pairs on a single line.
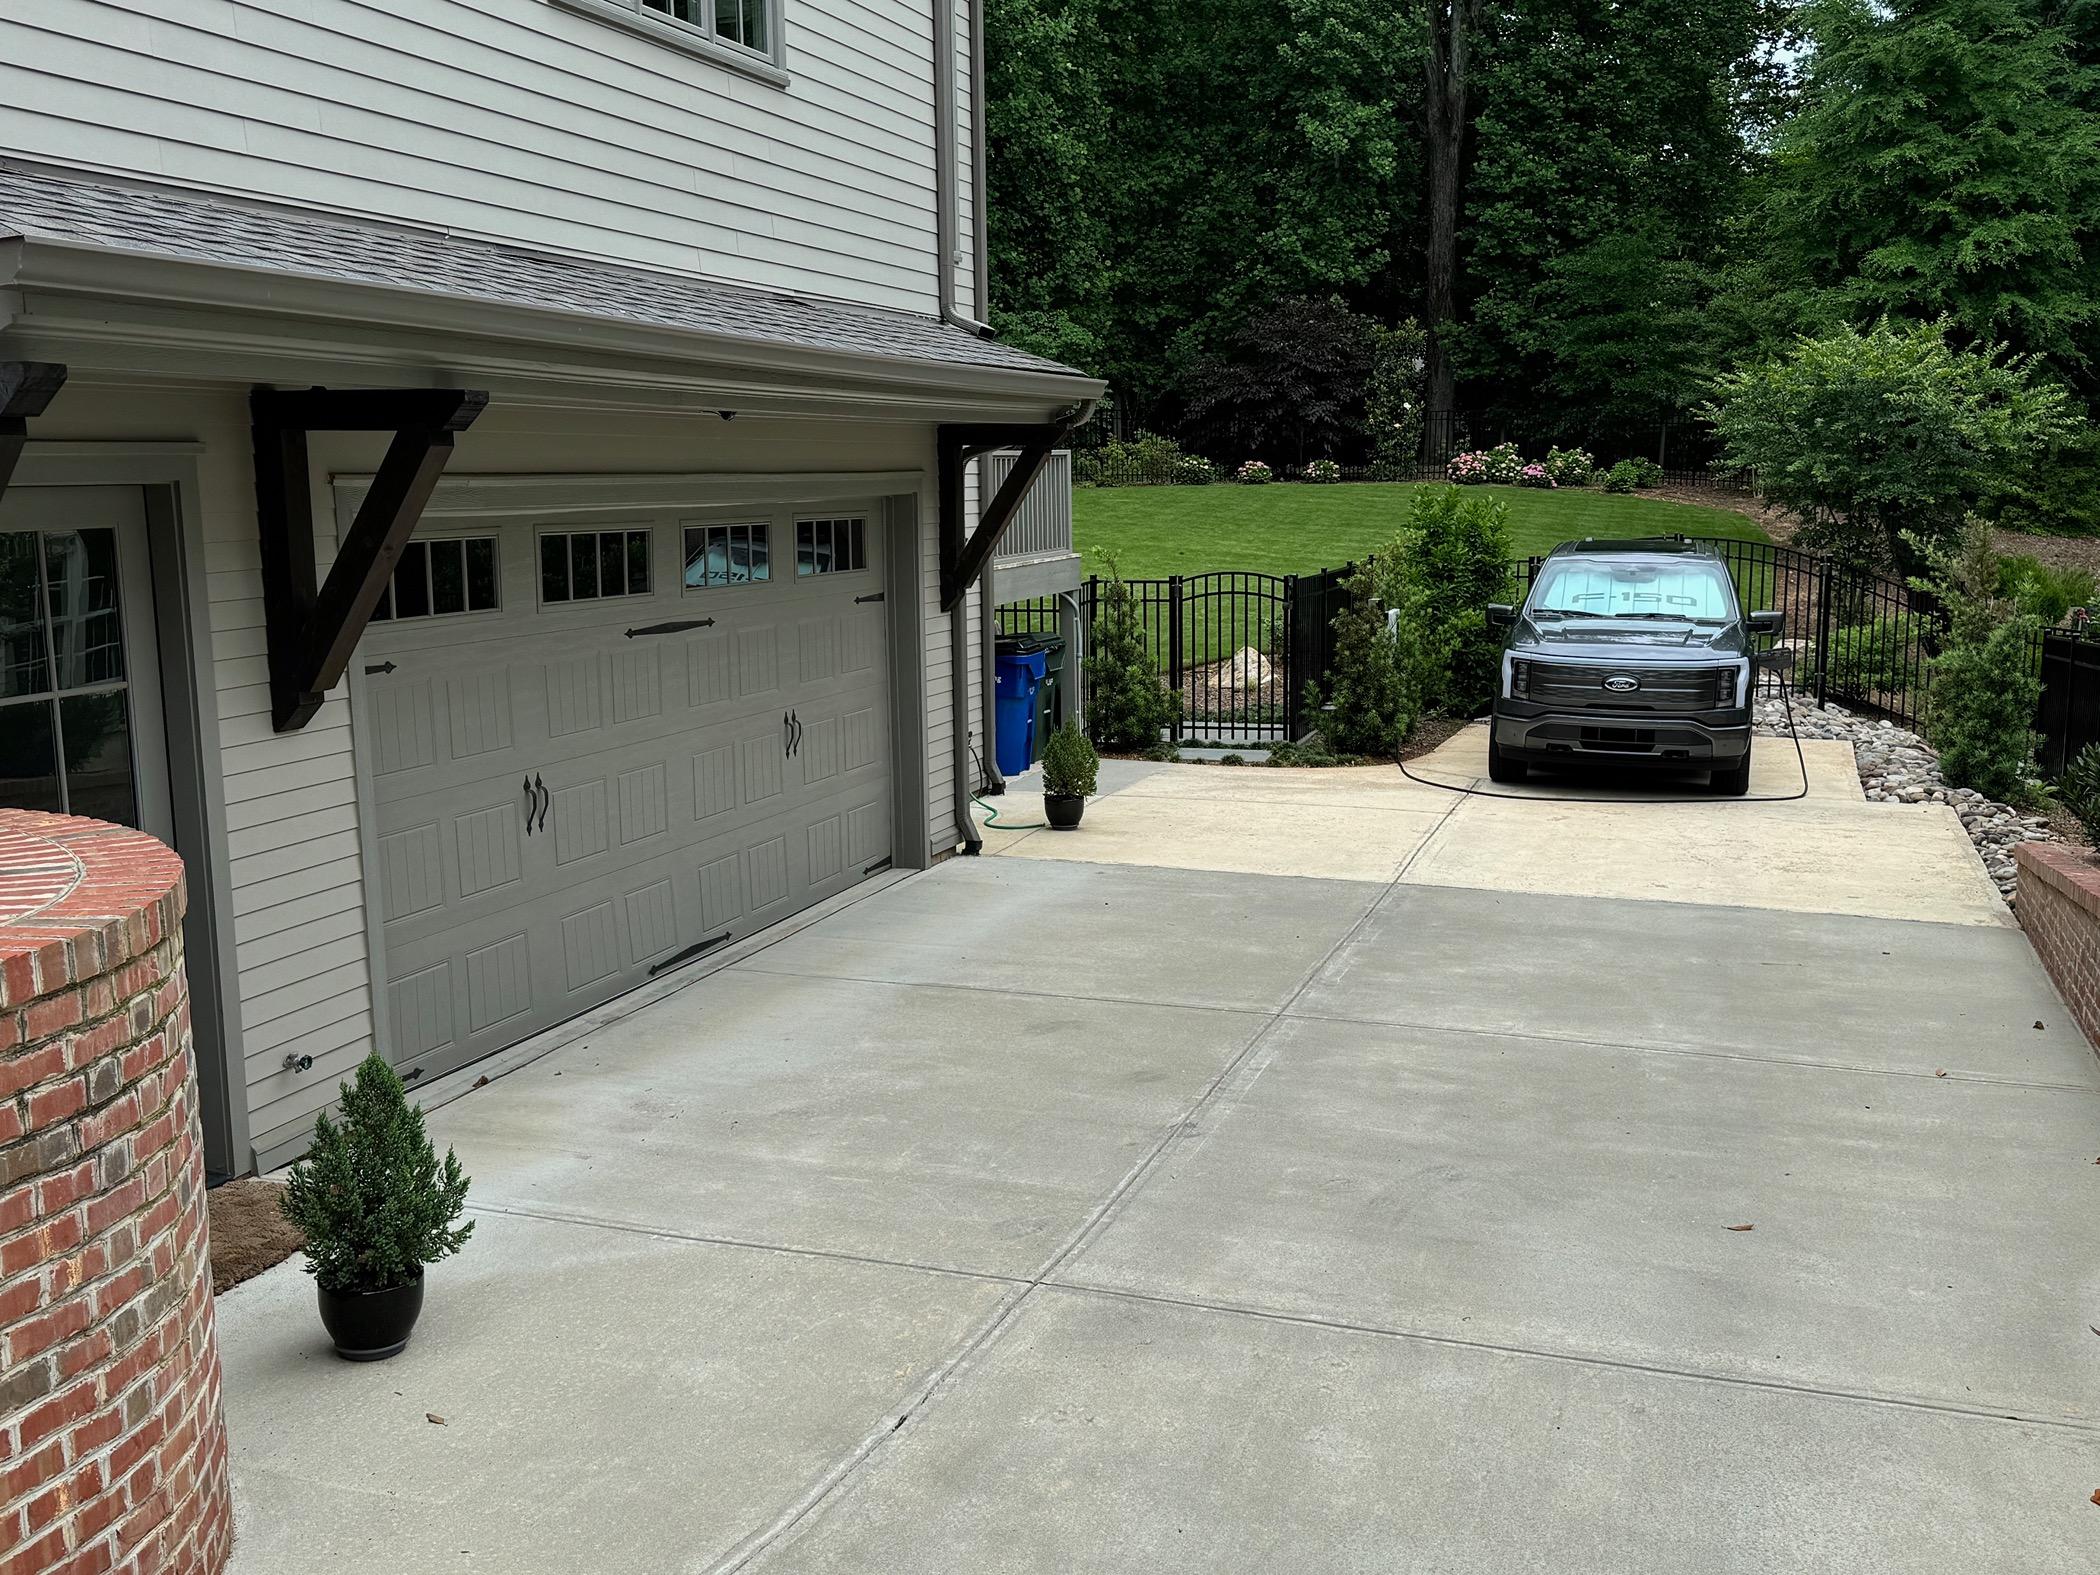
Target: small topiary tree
[[373, 1201], [1126, 703], [1071, 769], [1366, 705], [1984, 687]]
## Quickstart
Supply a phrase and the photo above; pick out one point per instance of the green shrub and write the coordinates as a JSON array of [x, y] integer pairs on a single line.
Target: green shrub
[[1071, 769], [1232, 760], [1570, 467], [1127, 704], [1622, 477], [2079, 789], [370, 1196], [1452, 559], [2057, 493], [1868, 658], [1862, 434], [1984, 687], [1365, 705], [1145, 460], [2033, 587], [1646, 472]]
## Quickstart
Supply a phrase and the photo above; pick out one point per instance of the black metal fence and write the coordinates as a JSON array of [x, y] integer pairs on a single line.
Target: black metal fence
[[1240, 649], [1222, 642], [1109, 468]]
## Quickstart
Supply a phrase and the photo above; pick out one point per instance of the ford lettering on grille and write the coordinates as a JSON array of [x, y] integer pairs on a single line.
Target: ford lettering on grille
[[1622, 684]]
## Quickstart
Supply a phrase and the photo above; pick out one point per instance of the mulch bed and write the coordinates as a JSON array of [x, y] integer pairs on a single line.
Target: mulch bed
[[249, 1232]]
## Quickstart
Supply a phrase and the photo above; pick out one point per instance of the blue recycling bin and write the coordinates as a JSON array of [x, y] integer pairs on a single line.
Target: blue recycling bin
[[1020, 672]]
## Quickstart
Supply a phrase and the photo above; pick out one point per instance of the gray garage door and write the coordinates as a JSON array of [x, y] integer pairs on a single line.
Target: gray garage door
[[599, 750]]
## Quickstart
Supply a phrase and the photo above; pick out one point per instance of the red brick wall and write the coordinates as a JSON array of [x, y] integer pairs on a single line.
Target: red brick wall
[[112, 1434], [2060, 911]]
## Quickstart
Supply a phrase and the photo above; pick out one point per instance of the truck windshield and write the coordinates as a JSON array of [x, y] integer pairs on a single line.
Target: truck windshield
[[1598, 588]]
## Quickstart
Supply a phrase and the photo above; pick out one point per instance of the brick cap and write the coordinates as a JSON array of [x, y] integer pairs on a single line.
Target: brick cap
[[77, 898], [2074, 872]]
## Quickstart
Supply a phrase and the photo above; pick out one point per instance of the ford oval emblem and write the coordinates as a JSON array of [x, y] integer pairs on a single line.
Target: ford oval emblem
[[1622, 684]]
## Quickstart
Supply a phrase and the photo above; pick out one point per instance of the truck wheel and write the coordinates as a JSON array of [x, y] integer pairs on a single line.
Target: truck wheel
[[1500, 767], [1734, 781]]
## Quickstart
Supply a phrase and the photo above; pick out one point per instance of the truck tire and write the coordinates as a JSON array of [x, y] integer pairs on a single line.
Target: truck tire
[[1733, 781], [1500, 767]]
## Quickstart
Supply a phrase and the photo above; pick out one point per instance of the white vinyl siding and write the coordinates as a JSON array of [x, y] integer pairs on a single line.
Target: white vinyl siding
[[515, 120]]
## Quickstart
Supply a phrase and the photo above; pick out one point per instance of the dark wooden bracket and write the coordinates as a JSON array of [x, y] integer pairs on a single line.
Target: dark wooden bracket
[[26, 388], [956, 445], [312, 631]]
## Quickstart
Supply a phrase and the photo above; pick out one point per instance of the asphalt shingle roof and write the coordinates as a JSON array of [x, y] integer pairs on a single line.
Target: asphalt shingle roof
[[198, 228]]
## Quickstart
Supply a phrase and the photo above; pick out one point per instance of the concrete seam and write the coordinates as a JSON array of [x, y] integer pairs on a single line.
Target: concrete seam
[[1573, 1358], [832, 1481], [1666, 1047]]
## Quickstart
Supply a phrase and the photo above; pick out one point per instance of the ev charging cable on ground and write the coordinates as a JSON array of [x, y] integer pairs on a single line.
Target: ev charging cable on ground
[[1786, 697]]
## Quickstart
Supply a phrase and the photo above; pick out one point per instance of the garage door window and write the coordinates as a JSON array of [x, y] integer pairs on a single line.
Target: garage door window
[[438, 578], [830, 546], [727, 555], [591, 565]]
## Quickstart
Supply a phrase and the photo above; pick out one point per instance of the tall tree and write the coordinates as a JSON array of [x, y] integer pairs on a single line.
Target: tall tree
[[1447, 107], [1947, 164]]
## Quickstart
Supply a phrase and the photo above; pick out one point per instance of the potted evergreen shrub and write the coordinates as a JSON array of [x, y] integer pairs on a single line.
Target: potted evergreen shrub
[[1070, 773], [375, 1206]]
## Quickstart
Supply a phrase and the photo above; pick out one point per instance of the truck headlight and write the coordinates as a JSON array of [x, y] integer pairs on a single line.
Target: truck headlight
[[1519, 680], [1724, 687]]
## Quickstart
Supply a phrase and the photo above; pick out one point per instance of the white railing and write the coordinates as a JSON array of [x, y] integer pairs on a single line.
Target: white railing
[[1042, 525]]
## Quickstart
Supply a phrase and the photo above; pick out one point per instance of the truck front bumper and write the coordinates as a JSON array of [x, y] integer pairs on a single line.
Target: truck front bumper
[[1541, 735]]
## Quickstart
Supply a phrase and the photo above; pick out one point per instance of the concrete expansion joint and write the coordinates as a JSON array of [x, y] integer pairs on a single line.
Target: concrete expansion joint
[[804, 1511]]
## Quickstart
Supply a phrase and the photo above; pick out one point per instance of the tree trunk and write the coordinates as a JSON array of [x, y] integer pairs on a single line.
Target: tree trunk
[[1451, 26]]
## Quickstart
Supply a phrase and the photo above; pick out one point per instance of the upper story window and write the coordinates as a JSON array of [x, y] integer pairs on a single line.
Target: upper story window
[[436, 578], [740, 33]]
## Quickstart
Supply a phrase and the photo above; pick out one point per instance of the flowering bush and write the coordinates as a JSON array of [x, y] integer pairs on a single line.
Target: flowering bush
[[1504, 465], [1500, 464], [1193, 470], [1323, 470], [1254, 474], [1468, 470], [1534, 475], [1570, 467]]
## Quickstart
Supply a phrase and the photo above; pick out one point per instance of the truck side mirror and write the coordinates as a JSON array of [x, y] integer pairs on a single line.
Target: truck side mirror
[[1767, 622], [1500, 615]]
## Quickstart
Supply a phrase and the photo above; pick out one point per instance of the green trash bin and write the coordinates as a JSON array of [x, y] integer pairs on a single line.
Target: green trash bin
[[1050, 707]]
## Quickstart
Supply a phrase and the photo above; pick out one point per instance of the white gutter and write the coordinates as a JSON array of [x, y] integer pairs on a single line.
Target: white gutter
[[949, 231]]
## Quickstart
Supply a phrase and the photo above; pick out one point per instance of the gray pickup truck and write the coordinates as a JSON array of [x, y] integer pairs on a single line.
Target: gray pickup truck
[[1628, 653]]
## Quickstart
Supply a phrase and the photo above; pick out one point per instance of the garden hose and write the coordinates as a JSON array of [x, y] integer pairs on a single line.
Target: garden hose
[[991, 815]]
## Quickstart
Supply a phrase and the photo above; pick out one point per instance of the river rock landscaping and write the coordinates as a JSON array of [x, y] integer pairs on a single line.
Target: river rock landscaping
[[1898, 767]]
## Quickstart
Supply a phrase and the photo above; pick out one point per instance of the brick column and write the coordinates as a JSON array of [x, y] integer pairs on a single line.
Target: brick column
[[112, 1434]]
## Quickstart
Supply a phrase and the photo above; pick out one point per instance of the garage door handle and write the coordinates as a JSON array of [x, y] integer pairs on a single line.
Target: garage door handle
[[532, 802], [795, 722], [787, 736], [546, 798]]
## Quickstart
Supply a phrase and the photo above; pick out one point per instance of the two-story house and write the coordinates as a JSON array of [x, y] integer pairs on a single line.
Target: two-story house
[[493, 483]]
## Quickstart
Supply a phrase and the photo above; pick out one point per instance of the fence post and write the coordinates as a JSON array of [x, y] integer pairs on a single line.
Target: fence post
[[1828, 590], [1174, 680], [1286, 647]]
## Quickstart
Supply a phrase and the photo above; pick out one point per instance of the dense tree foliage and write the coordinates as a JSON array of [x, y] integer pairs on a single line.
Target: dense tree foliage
[[1593, 211]]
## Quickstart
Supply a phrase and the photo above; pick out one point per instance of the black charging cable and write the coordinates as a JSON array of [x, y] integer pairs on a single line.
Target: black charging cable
[[1786, 697]]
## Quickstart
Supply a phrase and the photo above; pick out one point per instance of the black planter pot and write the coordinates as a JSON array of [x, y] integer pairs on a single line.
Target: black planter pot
[[370, 1326], [1063, 810]]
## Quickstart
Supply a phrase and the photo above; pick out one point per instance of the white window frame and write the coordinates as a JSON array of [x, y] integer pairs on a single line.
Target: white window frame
[[767, 65]]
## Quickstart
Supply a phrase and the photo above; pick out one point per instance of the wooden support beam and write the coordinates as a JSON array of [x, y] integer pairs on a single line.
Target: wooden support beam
[[26, 389], [962, 559], [313, 631]]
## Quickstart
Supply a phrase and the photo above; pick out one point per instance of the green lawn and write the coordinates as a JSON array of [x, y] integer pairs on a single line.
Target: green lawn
[[1292, 528]]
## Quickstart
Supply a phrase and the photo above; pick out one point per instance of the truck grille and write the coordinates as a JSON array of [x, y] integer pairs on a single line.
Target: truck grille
[[1662, 688]]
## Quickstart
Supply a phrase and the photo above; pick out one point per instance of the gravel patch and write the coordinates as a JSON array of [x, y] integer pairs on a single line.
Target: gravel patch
[[1898, 767]]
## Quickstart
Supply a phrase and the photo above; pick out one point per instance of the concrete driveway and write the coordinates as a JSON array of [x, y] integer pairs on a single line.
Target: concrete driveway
[[1062, 1212]]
